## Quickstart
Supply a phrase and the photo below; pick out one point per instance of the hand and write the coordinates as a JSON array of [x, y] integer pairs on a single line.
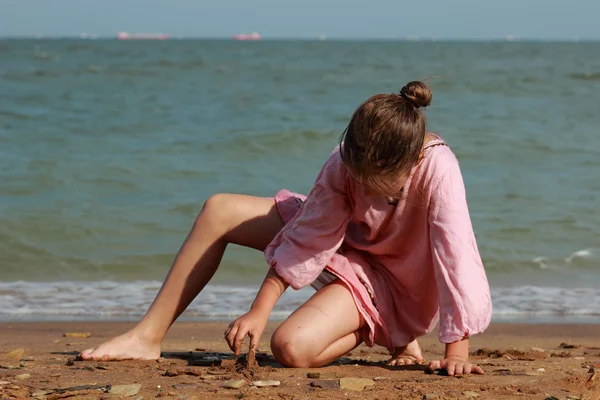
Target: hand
[[455, 366], [252, 324]]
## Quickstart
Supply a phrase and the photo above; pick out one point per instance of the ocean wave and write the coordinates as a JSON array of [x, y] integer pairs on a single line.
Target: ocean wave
[[109, 300], [592, 76], [585, 258], [584, 261]]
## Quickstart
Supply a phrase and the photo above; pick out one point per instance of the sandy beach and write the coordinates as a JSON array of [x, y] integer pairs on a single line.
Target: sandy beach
[[521, 362]]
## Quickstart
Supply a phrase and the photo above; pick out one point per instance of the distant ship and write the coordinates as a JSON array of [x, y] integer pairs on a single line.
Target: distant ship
[[248, 36], [141, 36]]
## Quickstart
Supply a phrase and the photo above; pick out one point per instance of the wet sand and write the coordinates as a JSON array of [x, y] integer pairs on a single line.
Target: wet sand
[[521, 362]]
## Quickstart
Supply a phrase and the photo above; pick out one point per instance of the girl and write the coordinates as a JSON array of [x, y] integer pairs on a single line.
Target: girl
[[384, 236]]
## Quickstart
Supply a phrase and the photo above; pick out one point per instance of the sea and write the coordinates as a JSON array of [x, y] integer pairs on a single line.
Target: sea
[[108, 150]]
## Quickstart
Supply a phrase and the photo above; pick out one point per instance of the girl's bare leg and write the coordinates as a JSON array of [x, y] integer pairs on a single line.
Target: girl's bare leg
[[324, 328], [226, 218]]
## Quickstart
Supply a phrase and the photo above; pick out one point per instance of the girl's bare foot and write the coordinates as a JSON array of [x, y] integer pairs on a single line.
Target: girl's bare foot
[[128, 346], [407, 355]]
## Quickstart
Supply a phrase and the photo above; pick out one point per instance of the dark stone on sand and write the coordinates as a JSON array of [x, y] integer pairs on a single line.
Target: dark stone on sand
[[569, 346], [184, 386], [325, 384], [322, 375], [210, 361]]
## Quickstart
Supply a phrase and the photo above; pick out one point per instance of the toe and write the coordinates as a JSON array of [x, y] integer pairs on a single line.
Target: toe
[[86, 354]]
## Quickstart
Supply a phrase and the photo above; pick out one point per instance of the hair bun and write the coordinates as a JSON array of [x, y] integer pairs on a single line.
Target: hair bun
[[417, 93]]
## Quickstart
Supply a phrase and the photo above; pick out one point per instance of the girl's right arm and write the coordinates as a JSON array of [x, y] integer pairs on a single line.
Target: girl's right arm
[[305, 245], [254, 321], [301, 250]]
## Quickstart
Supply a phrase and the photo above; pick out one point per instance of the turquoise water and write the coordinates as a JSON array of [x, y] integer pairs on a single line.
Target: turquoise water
[[108, 150]]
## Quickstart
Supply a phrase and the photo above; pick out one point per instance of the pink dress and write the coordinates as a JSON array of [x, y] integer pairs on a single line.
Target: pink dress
[[406, 265]]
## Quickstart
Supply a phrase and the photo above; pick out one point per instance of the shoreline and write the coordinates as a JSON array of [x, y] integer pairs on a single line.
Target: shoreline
[[521, 361]]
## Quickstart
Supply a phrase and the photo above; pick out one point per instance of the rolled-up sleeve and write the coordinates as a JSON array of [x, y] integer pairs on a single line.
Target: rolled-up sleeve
[[465, 306], [305, 245]]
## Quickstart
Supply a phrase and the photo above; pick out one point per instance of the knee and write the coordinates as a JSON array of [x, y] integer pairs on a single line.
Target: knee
[[217, 211], [289, 350]]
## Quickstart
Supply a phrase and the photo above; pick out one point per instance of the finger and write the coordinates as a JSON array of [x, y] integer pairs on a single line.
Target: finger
[[230, 337], [230, 333], [467, 368], [458, 369], [477, 370], [435, 364], [450, 368], [238, 340], [228, 329]]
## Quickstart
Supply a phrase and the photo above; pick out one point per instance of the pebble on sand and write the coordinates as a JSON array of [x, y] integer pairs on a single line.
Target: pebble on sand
[[125, 390], [234, 384], [22, 377], [77, 334], [266, 383], [41, 393], [322, 375], [325, 384], [469, 393], [356, 384], [16, 354], [184, 386]]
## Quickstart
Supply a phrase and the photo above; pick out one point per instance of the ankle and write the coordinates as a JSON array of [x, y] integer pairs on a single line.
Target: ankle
[[146, 335]]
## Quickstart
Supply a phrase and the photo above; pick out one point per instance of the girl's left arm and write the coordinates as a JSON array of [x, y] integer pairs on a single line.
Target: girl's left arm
[[463, 290]]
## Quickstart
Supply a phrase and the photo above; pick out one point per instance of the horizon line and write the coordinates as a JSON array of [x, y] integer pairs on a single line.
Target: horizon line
[[413, 38]]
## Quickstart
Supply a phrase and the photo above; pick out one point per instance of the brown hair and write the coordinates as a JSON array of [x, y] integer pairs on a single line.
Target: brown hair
[[385, 136]]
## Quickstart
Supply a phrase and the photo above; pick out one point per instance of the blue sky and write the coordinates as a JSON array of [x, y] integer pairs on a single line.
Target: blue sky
[[445, 19]]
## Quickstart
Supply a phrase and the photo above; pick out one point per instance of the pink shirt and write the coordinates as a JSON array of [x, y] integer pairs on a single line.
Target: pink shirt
[[406, 265]]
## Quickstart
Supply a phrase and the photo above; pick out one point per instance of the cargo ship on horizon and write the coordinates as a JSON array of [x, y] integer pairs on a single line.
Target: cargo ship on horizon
[[141, 36], [248, 36]]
